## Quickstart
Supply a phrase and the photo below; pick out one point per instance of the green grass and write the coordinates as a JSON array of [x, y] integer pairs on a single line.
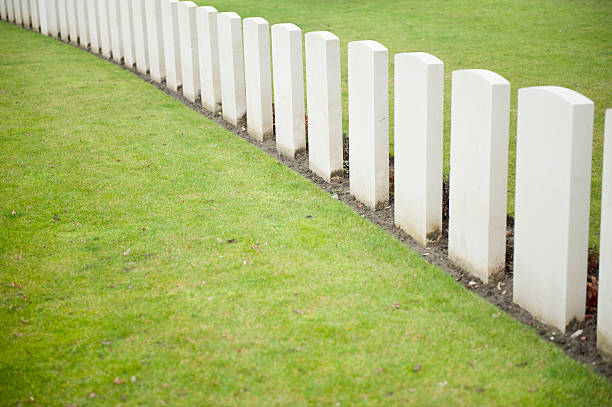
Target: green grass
[[116, 207], [529, 42]]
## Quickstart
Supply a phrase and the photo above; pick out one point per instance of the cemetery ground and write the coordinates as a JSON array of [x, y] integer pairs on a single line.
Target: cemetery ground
[[148, 256]]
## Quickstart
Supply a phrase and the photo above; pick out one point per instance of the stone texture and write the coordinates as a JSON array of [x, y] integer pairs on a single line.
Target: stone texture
[[258, 77], [190, 69], [368, 93], [419, 117], [231, 63], [141, 45], [94, 29], [288, 68], [480, 113], [324, 96], [553, 182], [604, 307], [208, 52], [83, 24], [104, 28], [125, 11], [114, 23], [73, 21], [172, 46], [155, 40]]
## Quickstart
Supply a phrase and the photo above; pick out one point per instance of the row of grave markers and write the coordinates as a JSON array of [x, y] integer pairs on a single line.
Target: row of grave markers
[[225, 60]]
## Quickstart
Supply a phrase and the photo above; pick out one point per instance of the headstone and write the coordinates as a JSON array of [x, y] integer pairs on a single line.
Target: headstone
[[258, 77], [83, 24], [42, 15], [288, 66], [368, 93], [324, 96], [172, 45], [231, 64], [10, 11], [18, 13], [208, 44], [3, 13], [51, 11], [604, 306], [155, 40], [62, 12], [553, 183], [189, 50], [141, 44], [94, 29], [73, 23], [114, 23], [104, 28], [25, 13], [418, 165], [480, 113], [34, 14], [125, 10]]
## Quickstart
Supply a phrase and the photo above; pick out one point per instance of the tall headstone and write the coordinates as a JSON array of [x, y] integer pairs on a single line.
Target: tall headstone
[[3, 13], [189, 49], [83, 24], [18, 13], [104, 28], [172, 45], [155, 40], [604, 306], [553, 183], [52, 14], [35, 16], [25, 13], [116, 36], [419, 116], [480, 114], [73, 22], [10, 11], [288, 79], [62, 12], [231, 63], [125, 10], [94, 29], [141, 44], [208, 52], [42, 15], [368, 93], [258, 77], [324, 96]]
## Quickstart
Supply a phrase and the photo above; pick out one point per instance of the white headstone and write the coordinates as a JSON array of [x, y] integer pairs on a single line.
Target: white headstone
[[141, 44], [52, 15], [190, 65], [553, 183], [83, 24], [324, 96], [3, 13], [480, 113], [172, 45], [368, 93], [604, 307], [94, 29], [10, 11], [231, 64], [208, 44], [419, 117], [116, 36], [125, 10], [258, 77], [155, 40], [73, 22], [18, 13], [25, 13], [35, 16], [62, 12], [288, 78], [104, 28], [42, 16]]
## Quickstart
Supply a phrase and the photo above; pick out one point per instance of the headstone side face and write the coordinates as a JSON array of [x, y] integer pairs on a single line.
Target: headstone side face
[[155, 40], [189, 50], [172, 46], [258, 77], [208, 43], [551, 226], [231, 64], [418, 146], [141, 46], [480, 112], [324, 99], [368, 91], [104, 28], [604, 307], [114, 21], [288, 79], [127, 30]]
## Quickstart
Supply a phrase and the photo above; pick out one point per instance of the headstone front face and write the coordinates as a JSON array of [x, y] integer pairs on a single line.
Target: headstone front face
[[52, 17], [125, 10], [141, 44], [189, 49], [208, 52], [258, 77], [324, 96], [480, 114], [25, 13], [10, 11], [155, 40], [604, 306], [73, 22], [172, 46], [368, 92], [419, 108], [114, 22], [553, 183], [3, 13], [83, 24], [288, 68], [42, 15], [94, 30], [18, 13], [34, 13], [104, 28], [231, 63], [62, 11]]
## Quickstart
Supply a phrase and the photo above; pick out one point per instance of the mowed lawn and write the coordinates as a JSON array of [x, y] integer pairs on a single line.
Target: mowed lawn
[[149, 257], [529, 42]]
